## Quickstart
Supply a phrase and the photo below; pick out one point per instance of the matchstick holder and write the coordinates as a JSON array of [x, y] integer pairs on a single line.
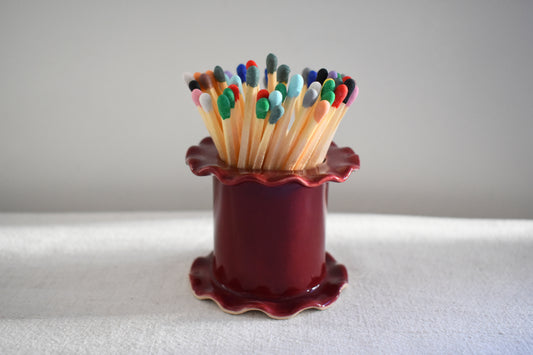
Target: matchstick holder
[[269, 236]]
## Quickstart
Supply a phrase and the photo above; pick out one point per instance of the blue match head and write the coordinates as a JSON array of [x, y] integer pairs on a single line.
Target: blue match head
[[275, 98], [235, 79], [311, 77], [266, 78], [295, 85], [241, 72]]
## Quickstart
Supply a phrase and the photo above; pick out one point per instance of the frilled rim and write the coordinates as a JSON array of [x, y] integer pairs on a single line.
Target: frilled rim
[[203, 160]]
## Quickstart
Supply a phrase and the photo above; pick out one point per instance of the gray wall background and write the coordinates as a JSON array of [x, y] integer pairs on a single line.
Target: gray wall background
[[94, 115]]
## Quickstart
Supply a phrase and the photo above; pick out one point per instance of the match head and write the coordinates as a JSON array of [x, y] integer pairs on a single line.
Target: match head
[[305, 74], [271, 63], [275, 114], [236, 80], [316, 86], [311, 78], [224, 107], [261, 108], [295, 85], [235, 90], [350, 84], [241, 72], [283, 73], [220, 76], [206, 102], [250, 63], [332, 75], [283, 89], [205, 81], [263, 93], [275, 98], [329, 85], [340, 94], [328, 96], [196, 93], [230, 95], [252, 76], [188, 77], [353, 96], [310, 98], [338, 81], [193, 85], [228, 74], [321, 110], [322, 75]]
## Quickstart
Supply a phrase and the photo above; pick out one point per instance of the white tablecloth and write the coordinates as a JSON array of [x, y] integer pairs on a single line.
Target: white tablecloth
[[118, 283]]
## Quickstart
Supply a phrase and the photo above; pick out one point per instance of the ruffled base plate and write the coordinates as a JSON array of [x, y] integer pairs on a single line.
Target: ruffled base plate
[[205, 286]]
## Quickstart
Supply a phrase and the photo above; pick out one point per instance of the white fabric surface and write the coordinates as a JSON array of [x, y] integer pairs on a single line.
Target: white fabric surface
[[118, 283]]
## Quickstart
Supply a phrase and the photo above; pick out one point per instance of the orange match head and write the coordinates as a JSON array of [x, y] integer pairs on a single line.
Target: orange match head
[[321, 110]]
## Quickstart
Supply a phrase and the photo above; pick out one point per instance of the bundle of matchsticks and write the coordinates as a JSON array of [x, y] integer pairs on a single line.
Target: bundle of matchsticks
[[288, 125]]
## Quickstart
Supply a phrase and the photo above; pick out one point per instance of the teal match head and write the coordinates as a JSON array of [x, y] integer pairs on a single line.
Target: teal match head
[[219, 74], [275, 114], [261, 107], [283, 89], [283, 73], [252, 76], [231, 96], [224, 107], [271, 63], [295, 85], [328, 96], [275, 98]]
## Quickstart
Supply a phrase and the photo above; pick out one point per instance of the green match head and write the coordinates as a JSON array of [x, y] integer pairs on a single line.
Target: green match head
[[261, 107], [231, 96], [328, 95], [329, 85], [224, 107]]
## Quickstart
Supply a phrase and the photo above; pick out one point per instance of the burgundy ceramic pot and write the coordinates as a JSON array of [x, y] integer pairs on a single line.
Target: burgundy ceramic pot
[[269, 236]]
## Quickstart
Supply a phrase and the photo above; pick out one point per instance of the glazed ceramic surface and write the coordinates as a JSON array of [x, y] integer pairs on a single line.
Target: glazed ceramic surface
[[269, 236]]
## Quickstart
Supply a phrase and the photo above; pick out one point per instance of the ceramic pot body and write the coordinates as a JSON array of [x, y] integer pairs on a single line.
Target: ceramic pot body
[[269, 236], [269, 240]]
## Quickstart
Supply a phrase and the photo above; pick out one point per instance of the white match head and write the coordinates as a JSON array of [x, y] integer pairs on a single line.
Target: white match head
[[316, 86], [188, 77], [206, 102]]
